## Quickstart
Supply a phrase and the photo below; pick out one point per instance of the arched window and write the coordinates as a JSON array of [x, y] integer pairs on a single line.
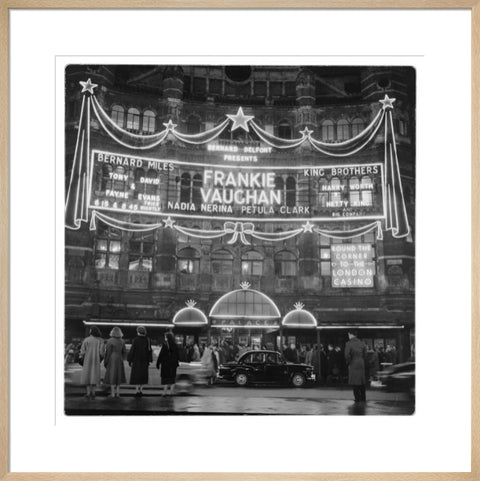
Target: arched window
[[185, 187], [402, 127], [107, 248], [133, 119], [139, 182], [280, 185], [222, 263], [357, 126], [148, 124], [120, 178], [140, 256], [107, 182], [285, 264], [284, 130], [328, 134], [188, 261], [196, 190], [252, 263], [118, 115], [366, 186], [342, 130], [291, 192], [323, 193], [336, 191], [193, 124], [152, 182], [354, 190]]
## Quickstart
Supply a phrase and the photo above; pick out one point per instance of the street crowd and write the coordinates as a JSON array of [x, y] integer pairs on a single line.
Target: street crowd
[[330, 364]]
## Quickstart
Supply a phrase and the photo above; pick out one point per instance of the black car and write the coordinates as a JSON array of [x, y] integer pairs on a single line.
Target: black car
[[399, 377], [266, 367]]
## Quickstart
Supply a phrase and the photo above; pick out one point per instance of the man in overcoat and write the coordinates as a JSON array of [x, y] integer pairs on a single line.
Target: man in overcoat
[[355, 357]]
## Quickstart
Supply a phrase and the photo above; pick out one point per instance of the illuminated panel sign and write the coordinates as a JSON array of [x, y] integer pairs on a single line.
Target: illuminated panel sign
[[352, 265], [131, 184]]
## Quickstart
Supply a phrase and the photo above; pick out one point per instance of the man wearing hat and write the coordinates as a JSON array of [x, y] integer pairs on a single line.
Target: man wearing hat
[[355, 356]]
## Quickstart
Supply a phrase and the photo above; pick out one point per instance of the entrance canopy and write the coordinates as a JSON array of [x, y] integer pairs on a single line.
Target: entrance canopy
[[245, 303], [190, 316], [299, 318]]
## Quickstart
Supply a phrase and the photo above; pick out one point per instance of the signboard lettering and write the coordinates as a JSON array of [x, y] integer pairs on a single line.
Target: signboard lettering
[[352, 265], [131, 184]]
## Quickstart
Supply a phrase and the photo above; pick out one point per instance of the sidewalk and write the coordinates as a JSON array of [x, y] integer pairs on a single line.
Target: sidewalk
[[231, 391], [241, 401]]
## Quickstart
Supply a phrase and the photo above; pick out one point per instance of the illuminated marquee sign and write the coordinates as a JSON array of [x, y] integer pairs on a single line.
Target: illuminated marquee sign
[[132, 184], [352, 265]]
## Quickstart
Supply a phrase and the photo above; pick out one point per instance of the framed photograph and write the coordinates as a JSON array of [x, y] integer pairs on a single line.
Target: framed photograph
[[255, 257]]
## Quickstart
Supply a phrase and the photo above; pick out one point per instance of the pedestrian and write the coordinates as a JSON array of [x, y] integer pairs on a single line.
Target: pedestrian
[[167, 362], [115, 352], [308, 356], [316, 363], [355, 357], [290, 353], [69, 353], [139, 358], [196, 353], [373, 364], [208, 363], [91, 355], [302, 354]]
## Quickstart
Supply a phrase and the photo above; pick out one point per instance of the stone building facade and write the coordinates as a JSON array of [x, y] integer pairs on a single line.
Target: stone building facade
[[118, 277]]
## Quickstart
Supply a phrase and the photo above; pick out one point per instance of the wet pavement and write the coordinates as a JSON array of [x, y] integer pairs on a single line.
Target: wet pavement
[[232, 400]]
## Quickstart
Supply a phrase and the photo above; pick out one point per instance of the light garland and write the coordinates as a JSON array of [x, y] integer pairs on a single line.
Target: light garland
[[77, 209], [237, 230]]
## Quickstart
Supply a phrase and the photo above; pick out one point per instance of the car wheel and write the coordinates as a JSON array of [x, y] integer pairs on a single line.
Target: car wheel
[[241, 379], [298, 379]]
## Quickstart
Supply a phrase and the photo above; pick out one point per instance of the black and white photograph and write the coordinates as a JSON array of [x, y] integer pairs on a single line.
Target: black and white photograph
[[239, 240]]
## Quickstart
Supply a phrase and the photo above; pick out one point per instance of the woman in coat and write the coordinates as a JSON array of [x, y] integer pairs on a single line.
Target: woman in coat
[[139, 358], [114, 355], [208, 363], [91, 355], [167, 362], [355, 357]]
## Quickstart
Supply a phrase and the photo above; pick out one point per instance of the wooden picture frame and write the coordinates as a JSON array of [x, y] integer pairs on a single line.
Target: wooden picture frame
[[5, 8]]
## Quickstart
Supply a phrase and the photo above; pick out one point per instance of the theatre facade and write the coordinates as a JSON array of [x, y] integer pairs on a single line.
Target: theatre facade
[[263, 205]]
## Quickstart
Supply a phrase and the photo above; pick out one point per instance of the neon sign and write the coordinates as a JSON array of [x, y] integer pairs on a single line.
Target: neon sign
[[352, 265], [132, 184]]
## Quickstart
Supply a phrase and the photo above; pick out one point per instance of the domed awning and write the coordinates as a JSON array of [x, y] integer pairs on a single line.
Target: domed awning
[[190, 316], [245, 303], [299, 318]]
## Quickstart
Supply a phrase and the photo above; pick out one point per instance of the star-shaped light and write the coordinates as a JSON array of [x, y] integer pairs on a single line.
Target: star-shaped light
[[169, 222], [88, 86], [240, 120], [170, 125], [308, 227], [306, 132], [387, 102]]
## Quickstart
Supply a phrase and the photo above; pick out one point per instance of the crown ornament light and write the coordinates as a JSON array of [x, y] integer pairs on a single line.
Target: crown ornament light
[[245, 285], [299, 306], [190, 303]]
